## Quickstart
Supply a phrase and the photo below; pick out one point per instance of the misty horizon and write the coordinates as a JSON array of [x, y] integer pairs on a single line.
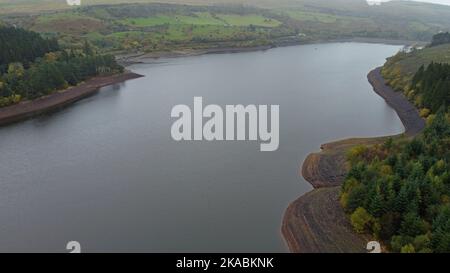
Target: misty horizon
[[441, 2]]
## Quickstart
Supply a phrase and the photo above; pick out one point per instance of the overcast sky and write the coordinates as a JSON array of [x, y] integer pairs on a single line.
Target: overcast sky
[[444, 2]]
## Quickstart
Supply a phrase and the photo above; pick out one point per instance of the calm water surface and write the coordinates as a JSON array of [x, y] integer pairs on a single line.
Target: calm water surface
[[105, 171]]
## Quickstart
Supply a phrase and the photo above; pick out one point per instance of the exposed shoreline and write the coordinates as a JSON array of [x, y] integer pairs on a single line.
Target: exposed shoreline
[[316, 222], [406, 111], [141, 57], [58, 99]]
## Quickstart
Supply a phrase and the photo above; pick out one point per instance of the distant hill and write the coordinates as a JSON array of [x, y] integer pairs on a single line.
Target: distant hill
[[149, 26], [409, 15]]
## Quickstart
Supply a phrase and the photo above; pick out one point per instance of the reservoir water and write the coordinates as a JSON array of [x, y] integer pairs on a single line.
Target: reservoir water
[[105, 171]]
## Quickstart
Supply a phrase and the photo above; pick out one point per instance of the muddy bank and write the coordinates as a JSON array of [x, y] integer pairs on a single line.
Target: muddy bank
[[316, 222], [315, 226], [327, 168], [59, 99], [141, 57], [406, 111]]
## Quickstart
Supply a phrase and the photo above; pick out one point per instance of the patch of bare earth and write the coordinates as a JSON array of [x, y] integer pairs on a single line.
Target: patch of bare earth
[[75, 26], [318, 224]]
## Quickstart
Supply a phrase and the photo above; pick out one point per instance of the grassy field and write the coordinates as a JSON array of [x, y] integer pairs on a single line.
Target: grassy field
[[203, 18], [198, 19], [302, 15], [158, 27], [247, 20]]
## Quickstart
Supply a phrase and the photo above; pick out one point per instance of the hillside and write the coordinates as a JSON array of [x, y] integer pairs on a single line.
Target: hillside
[[118, 25], [400, 70], [160, 27], [398, 192]]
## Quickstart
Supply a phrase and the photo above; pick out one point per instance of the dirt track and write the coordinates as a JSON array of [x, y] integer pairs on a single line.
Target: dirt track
[[316, 222], [58, 99]]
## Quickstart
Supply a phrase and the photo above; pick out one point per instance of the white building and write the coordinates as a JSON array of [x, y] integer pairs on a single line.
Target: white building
[[73, 2]]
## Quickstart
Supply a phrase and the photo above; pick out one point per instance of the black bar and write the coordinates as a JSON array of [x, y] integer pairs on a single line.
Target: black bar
[[233, 262]]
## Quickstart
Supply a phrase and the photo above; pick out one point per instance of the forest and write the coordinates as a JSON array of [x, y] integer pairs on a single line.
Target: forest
[[440, 39], [433, 85], [33, 66], [399, 191], [19, 45]]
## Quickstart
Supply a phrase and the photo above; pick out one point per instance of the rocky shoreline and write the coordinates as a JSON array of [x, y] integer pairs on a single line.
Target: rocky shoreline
[[316, 222], [27, 109]]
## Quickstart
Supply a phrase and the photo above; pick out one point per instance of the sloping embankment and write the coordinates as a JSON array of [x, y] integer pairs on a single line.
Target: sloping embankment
[[59, 99], [406, 111], [316, 221]]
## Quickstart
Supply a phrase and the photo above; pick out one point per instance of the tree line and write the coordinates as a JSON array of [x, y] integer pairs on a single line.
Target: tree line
[[399, 191], [50, 70], [433, 85], [20, 45]]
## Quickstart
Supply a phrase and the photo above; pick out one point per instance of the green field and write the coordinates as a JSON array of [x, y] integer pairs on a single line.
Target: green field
[[203, 18], [313, 16], [247, 20], [198, 19], [164, 28]]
